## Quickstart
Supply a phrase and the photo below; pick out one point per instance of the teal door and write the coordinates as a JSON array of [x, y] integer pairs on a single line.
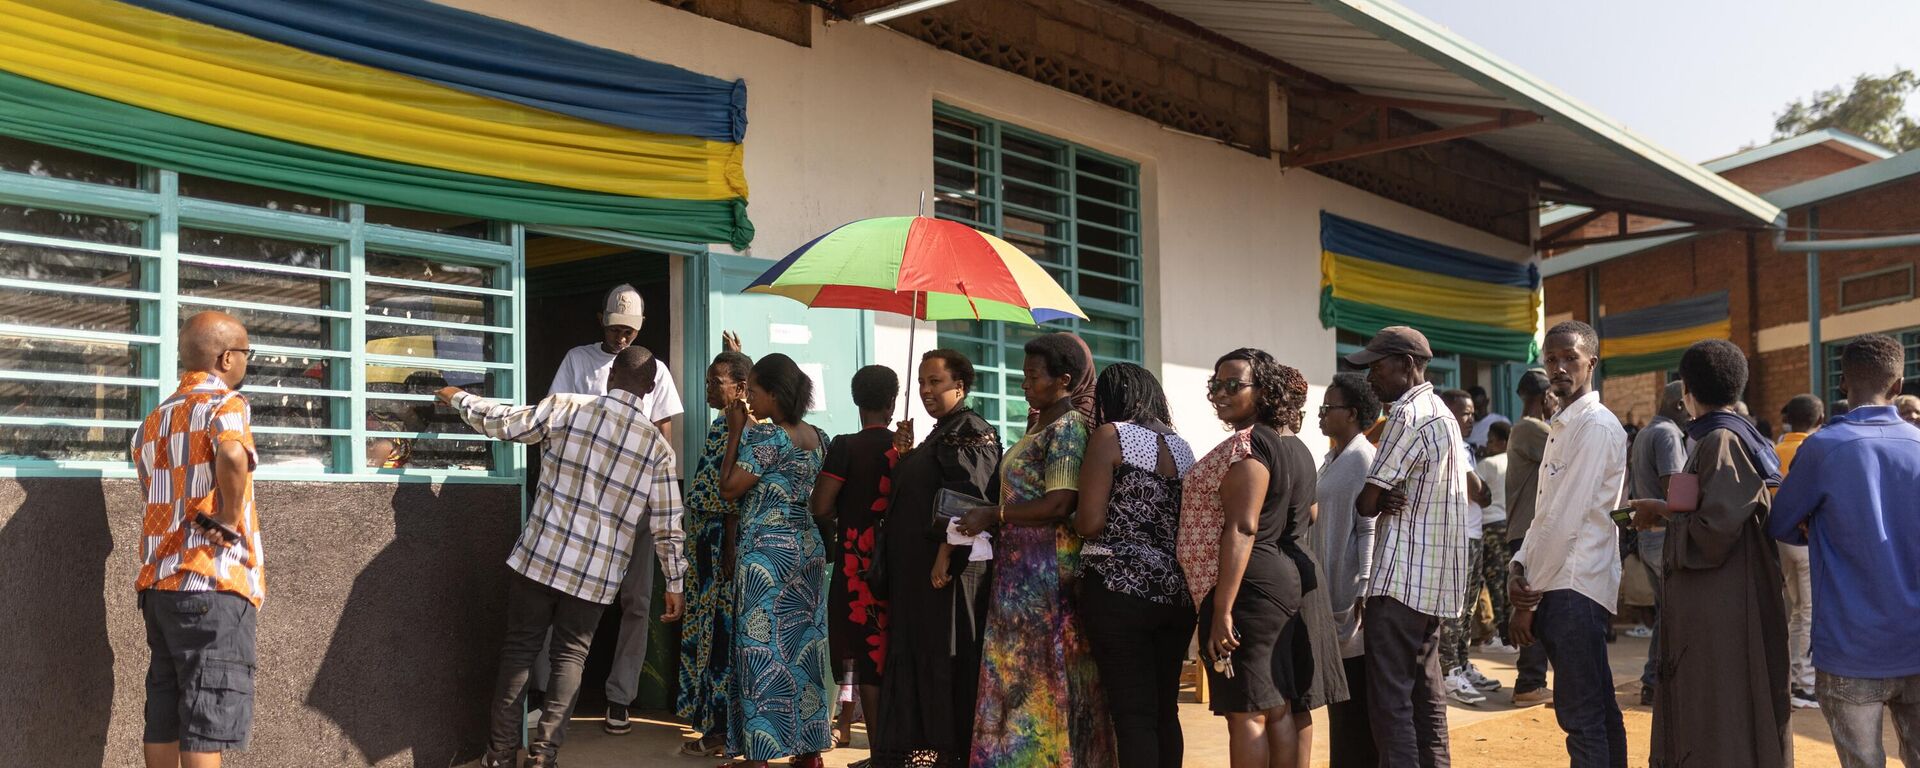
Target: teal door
[[829, 344]]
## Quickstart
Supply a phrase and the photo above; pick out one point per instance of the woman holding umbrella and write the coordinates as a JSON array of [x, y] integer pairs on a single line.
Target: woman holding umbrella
[[1040, 696], [932, 666]]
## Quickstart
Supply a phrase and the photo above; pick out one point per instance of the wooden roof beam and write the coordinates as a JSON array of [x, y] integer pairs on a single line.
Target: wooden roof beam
[[1511, 120]]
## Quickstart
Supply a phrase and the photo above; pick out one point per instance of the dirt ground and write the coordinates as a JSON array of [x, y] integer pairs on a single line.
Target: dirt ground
[[1493, 734]]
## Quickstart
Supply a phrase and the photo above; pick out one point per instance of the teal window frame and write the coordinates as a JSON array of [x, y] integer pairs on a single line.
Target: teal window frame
[[1909, 339], [996, 393], [164, 212]]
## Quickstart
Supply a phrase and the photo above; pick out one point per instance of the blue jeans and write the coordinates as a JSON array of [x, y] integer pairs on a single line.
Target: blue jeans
[[1573, 628], [1653, 546]]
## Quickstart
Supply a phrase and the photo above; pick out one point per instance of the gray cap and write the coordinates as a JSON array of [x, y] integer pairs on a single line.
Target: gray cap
[[1393, 340]]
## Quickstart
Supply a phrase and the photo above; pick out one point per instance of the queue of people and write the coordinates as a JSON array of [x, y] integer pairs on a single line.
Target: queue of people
[[1034, 605]]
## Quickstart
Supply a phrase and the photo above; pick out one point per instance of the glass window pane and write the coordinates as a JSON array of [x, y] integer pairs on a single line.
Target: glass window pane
[[85, 227], [291, 371], [426, 380], [963, 209], [65, 443], [956, 179], [50, 162], [421, 304], [414, 416], [430, 271], [448, 454], [1101, 213], [259, 287], [59, 309], [259, 197], [1095, 287], [1101, 189], [1111, 347], [437, 343], [975, 351], [57, 399], [274, 409], [278, 329], [70, 266], [1018, 193], [266, 250], [311, 452], [428, 221], [1036, 174], [94, 358], [1111, 325], [1090, 163], [1014, 143], [1105, 239]]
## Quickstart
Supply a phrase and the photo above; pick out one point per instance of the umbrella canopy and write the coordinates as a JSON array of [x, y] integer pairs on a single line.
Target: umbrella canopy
[[926, 268]]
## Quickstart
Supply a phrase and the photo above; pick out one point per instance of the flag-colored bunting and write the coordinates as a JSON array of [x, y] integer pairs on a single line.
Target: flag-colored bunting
[[1464, 302], [484, 137], [1653, 338]]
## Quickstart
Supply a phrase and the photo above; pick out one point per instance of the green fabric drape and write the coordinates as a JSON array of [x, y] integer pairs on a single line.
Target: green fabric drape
[[49, 114], [1628, 365], [1442, 333]]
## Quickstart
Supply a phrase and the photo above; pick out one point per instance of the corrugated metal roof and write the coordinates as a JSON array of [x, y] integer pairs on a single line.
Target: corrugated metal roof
[[1856, 179], [1380, 48], [1848, 142]]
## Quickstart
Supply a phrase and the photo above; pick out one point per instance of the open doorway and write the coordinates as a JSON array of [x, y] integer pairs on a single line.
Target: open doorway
[[567, 281]]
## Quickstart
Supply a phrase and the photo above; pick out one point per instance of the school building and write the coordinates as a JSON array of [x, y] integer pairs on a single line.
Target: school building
[[395, 195], [1652, 286]]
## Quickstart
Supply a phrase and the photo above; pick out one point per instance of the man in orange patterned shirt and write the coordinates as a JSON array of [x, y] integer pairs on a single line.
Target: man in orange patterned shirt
[[200, 578]]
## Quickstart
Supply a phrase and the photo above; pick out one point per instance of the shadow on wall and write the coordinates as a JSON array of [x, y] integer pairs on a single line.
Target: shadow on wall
[[57, 676], [409, 668]]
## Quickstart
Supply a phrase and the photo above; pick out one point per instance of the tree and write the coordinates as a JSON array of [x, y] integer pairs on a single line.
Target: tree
[[1874, 109]]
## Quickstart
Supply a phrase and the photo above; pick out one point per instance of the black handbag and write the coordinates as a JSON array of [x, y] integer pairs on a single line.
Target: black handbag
[[877, 571], [949, 504]]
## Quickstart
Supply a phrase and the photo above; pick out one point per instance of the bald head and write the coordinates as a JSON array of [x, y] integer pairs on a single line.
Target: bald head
[[214, 342], [1673, 402]]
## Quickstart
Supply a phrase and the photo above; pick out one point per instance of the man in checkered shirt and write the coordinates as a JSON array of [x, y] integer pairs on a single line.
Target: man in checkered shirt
[[1418, 490], [605, 470]]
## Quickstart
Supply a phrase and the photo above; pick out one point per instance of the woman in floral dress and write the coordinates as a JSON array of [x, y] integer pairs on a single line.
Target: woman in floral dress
[[706, 635], [780, 702], [1040, 697]]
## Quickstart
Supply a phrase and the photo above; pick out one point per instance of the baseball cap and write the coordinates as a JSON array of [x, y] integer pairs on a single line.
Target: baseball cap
[[1533, 382], [624, 307], [1393, 340]]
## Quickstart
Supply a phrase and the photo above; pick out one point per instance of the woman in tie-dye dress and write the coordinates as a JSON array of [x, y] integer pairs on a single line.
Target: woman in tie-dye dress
[[780, 701], [706, 635], [1040, 697]]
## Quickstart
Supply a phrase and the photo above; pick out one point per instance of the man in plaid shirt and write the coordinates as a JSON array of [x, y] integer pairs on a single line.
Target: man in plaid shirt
[[605, 470], [1418, 489]]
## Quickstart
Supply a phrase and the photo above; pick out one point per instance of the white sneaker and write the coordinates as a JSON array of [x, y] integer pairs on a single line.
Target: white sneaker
[[1460, 689], [1640, 631], [1478, 679], [1492, 648]]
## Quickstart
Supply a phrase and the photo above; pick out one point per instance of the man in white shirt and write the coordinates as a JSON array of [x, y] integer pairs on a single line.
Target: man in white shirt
[[1484, 419], [1464, 681], [1566, 578], [584, 372]]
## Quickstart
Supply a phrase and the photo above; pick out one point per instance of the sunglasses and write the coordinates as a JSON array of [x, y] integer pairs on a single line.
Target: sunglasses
[[245, 351], [1326, 409], [1227, 386]]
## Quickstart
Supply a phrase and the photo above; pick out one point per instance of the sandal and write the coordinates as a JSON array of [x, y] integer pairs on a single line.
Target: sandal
[[699, 748]]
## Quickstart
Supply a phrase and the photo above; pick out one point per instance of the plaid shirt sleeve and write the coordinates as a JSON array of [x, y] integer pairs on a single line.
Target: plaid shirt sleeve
[[663, 516], [514, 423]]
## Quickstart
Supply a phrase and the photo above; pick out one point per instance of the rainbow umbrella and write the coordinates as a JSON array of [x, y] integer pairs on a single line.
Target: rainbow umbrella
[[925, 268]]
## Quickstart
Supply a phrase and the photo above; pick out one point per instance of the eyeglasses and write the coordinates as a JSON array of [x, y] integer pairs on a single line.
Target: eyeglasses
[[248, 352], [1326, 409], [1228, 386]]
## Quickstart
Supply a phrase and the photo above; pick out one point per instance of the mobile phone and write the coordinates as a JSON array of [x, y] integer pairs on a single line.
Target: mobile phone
[[210, 525], [1623, 515]]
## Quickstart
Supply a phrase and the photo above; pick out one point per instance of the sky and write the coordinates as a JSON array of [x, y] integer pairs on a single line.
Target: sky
[[1702, 78]]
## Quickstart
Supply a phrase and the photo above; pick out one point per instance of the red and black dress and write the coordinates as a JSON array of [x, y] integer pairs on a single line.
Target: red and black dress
[[856, 620]]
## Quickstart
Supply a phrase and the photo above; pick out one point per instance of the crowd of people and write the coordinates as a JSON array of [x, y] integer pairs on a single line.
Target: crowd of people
[[1035, 604]]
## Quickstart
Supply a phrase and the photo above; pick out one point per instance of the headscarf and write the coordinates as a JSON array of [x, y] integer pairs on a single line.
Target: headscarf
[[1759, 448], [1079, 363]]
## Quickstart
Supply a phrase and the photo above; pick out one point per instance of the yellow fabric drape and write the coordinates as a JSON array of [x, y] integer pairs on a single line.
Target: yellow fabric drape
[[1410, 290], [199, 72], [1664, 341]]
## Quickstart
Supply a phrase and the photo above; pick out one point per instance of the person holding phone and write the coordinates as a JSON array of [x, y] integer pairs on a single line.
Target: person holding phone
[[201, 580]]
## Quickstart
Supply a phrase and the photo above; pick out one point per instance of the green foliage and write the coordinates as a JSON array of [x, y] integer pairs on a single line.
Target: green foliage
[[1875, 108]]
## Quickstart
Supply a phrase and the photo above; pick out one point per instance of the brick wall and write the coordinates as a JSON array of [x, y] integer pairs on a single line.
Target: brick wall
[[785, 19], [1791, 168], [1774, 379], [1783, 277], [1634, 399]]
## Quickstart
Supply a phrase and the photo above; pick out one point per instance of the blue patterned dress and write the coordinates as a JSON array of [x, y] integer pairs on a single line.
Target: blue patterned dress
[[781, 702], [706, 635]]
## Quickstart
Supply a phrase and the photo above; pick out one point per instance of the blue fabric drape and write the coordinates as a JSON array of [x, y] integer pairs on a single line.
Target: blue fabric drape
[[490, 57], [1673, 315], [1347, 237]]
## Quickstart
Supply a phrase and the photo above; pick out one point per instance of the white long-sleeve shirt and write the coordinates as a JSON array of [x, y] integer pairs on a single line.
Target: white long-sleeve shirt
[[1574, 543]]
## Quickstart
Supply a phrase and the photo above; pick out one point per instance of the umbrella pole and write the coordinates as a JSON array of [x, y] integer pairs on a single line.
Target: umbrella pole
[[906, 392]]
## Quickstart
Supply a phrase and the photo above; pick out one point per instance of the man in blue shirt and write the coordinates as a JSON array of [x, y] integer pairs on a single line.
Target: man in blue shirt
[[1851, 496]]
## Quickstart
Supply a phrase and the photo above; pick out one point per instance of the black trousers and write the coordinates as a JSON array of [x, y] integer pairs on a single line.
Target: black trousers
[[1139, 646], [1404, 690], [532, 610], [1349, 730]]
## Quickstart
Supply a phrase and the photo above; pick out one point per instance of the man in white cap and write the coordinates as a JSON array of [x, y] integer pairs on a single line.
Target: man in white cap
[[584, 372]]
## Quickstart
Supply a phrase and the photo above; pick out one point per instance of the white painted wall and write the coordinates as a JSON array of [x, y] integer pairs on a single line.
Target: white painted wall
[[843, 130]]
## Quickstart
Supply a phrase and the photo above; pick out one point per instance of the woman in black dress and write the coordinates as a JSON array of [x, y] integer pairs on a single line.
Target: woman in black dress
[[1244, 511], [851, 498], [932, 668]]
